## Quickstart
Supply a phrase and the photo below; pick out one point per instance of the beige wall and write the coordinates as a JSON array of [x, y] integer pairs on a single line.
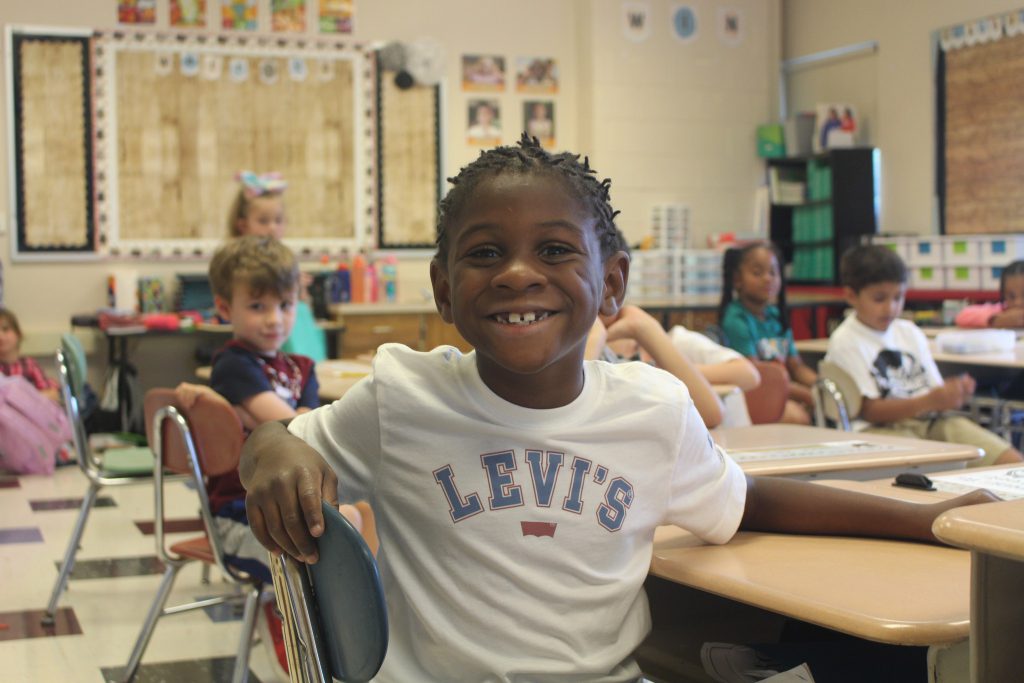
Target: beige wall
[[667, 121], [895, 87]]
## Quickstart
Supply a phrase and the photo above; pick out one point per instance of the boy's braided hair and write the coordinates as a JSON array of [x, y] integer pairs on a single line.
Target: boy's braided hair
[[529, 157]]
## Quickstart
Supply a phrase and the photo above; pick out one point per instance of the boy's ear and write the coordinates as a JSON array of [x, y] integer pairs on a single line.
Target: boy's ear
[[442, 287], [850, 296], [616, 275], [223, 307]]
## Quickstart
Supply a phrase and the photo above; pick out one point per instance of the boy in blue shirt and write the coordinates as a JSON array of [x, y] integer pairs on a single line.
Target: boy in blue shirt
[[517, 487]]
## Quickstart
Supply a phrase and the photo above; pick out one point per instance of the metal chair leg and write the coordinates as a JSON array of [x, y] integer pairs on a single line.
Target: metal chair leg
[[205, 576], [252, 602], [69, 555], [155, 612]]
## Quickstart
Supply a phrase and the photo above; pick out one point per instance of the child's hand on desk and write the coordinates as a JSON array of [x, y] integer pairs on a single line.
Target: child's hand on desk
[[1010, 318], [285, 480]]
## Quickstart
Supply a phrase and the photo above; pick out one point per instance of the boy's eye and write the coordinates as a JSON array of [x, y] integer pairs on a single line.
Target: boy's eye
[[556, 249], [482, 252]]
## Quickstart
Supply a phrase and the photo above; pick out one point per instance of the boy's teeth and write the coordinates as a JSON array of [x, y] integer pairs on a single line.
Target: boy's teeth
[[524, 318]]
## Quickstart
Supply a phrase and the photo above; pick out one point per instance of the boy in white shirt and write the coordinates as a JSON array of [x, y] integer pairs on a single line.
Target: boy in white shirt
[[517, 487], [889, 359]]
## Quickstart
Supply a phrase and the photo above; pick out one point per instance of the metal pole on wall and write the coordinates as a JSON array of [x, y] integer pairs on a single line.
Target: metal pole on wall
[[813, 59]]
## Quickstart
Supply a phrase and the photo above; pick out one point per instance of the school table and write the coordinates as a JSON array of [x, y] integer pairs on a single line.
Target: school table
[[815, 452], [1013, 360], [994, 534], [334, 376], [894, 592]]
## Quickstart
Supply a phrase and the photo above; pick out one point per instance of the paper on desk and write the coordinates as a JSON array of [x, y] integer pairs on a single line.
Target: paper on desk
[[1008, 484], [825, 449]]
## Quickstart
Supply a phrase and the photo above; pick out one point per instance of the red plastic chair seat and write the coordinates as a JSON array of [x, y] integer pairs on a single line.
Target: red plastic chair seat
[[197, 548]]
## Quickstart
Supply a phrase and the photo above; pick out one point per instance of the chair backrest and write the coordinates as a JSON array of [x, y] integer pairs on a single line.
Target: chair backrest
[[74, 357], [201, 441], [767, 401], [71, 374], [335, 615], [215, 429], [837, 393]]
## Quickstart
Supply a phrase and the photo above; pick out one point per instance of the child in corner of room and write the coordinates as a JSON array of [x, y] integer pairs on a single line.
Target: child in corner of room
[[258, 209], [889, 359], [753, 316], [465, 456], [13, 364], [1008, 312]]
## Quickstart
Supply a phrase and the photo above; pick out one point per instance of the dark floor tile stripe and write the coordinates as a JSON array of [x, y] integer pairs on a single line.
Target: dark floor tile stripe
[[69, 504], [171, 526], [195, 671], [9, 483], [113, 567], [29, 624], [26, 534]]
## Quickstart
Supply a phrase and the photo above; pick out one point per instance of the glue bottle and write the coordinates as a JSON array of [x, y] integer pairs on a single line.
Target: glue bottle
[[359, 279], [389, 278]]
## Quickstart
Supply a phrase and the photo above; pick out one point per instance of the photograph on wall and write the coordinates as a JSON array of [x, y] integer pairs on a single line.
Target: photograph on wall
[[539, 120], [536, 75], [136, 11], [188, 13], [835, 125], [240, 15], [483, 126], [288, 16], [336, 16], [483, 73]]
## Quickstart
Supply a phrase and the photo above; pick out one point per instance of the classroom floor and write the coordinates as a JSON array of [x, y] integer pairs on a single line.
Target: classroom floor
[[115, 578]]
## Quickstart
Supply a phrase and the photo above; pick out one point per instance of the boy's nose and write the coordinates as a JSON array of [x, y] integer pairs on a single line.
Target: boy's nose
[[518, 273]]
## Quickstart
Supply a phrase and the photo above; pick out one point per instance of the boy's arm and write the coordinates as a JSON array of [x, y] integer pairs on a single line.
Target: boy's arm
[[800, 371], [951, 395], [1011, 318], [285, 479], [739, 371], [267, 406], [791, 506], [636, 323]]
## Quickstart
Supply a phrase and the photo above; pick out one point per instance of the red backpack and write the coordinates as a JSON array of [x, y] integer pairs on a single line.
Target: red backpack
[[32, 428]]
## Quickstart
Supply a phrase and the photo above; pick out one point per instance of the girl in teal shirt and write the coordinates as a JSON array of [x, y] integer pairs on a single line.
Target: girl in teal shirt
[[753, 317]]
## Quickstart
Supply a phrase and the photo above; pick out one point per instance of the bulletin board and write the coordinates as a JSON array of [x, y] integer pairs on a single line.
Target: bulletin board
[[409, 149], [126, 144], [51, 144]]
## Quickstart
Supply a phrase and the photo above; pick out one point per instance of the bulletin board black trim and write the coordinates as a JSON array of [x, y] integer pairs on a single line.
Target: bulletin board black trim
[[383, 241], [23, 247]]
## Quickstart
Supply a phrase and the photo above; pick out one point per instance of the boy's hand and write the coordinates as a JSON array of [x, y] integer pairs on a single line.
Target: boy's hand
[[953, 393], [285, 480], [1011, 317]]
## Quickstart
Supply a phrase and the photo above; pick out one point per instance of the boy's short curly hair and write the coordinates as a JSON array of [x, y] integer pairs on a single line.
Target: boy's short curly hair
[[868, 264], [528, 157], [263, 264]]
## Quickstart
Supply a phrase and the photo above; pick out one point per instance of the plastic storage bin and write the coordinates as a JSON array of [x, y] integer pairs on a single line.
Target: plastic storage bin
[[925, 251], [961, 251], [990, 276], [963, 277], [927, 277], [1001, 250]]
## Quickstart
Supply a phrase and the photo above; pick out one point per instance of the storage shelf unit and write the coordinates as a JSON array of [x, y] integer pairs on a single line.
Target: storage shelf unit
[[838, 205]]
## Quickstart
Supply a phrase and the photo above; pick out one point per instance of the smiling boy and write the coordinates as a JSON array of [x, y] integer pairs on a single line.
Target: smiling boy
[[517, 488], [889, 359]]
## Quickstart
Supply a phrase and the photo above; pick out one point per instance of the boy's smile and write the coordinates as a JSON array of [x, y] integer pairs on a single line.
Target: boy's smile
[[263, 322], [877, 304], [523, 281]]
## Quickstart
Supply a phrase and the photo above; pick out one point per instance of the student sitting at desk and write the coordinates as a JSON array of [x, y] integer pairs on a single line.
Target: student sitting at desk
[[633, 334], [1008, 312], [890, 361], [255, 283], [753, 316], [518, 486]]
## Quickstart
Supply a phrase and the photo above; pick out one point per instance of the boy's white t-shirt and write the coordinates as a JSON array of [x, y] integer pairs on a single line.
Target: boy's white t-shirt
[[896, 363], [514, 541], [699, 348]]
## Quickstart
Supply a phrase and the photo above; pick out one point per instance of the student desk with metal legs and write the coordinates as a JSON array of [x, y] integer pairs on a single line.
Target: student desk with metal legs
[[892, 592]]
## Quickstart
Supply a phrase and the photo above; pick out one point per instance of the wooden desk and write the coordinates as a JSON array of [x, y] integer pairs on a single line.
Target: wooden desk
[[884, 591], [750, 445], [334, 376], [995, 536]]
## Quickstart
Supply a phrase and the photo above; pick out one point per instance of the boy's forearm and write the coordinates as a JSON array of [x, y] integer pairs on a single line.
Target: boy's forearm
[[668, 358], [739, 372], [792, 506], [886, 410]]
